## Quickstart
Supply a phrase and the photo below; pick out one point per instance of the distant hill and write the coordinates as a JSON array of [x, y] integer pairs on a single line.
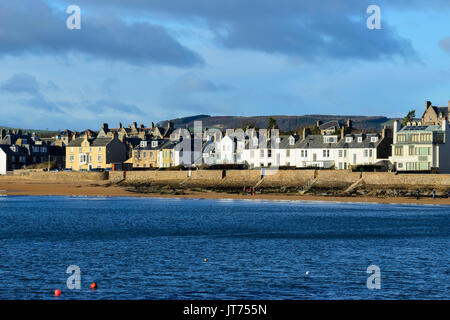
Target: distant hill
[[285, 123]]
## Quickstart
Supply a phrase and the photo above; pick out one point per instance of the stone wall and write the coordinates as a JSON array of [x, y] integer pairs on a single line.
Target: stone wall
[[61, 176], [240, 178], [282, 178]]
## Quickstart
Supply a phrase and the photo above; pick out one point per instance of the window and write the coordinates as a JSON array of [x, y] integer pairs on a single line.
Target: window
[[348, 139], [400, 165], [71, 149], [411, 150], [359, 139], [306, 153], [252, 154], [288, 153], [144, 154], [151, 155], [426, 137], [100, 158], [401, 138], [345, 153], [373, 139], [261, 153], [302, 153], [324, 153], [370, 153], [99, 149], [398, 151], [83, 158], [340, 156], [71, 158], [154, 144], [414, 138], [291, 141], [366, 153], [269, 153], [328, 153]]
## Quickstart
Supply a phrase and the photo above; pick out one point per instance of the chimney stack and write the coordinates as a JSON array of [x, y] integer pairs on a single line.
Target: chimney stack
[[349, 124], [120, 125], [134, 125], [318, 123], [105, 127], [152, 125], [427, 104], [305, 133], [342, 132]]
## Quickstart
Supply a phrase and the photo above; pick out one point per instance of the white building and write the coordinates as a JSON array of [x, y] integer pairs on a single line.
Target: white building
[[362, 149], [229, 149], [316, 151], [421, 148]]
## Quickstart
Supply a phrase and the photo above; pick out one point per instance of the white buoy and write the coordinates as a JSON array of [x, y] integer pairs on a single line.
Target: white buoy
[[307, 272]]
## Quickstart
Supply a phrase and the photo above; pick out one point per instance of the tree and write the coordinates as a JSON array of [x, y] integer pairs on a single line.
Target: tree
[[272, 124], [409, 117]]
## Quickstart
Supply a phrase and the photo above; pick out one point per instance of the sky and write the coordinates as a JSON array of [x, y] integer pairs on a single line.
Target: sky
[[152, 60]]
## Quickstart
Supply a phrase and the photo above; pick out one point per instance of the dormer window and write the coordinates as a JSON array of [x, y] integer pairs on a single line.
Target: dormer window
[[291, 141], [348, 139], [154, 144], [373, 139], [359, 139], [277, 140]]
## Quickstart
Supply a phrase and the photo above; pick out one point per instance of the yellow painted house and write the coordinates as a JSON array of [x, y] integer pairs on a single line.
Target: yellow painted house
[[146, 154], [168, 156], [88, 153]]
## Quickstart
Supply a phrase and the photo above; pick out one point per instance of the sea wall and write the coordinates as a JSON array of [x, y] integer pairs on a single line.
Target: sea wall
[[282, 178], [239, 178], [60, 176]]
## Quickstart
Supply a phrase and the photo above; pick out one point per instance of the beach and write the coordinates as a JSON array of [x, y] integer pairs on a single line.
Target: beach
[[10, 185]]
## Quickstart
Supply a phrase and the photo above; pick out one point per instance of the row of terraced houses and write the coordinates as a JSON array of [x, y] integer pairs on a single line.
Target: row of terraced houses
[[420, 145]]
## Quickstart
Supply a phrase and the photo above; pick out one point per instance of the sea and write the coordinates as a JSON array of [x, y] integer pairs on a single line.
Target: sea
[[152, 248]]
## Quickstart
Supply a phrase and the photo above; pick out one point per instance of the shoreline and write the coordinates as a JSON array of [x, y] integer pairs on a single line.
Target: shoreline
[[14, 187]]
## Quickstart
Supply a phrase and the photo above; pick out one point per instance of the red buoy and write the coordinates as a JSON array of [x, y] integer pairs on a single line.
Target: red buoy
[[93, 285], [57, 293]]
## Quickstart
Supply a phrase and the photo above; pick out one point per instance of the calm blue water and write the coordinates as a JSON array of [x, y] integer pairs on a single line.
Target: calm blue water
[[140, 248]]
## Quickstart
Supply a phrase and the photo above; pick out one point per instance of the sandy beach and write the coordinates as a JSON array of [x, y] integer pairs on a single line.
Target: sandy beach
[[22, 187]]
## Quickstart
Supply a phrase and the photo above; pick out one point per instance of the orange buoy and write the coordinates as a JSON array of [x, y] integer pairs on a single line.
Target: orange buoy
[[206, 260], [93, 285], [57, 293]]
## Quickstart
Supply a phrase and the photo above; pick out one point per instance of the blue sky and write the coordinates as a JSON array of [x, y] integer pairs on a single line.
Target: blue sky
[[153, 60]]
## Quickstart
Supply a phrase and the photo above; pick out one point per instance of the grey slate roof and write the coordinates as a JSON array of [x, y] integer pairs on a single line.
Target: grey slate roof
[[314, 141], [94, 142], [9, 151], [366, 142], [329, 124]]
